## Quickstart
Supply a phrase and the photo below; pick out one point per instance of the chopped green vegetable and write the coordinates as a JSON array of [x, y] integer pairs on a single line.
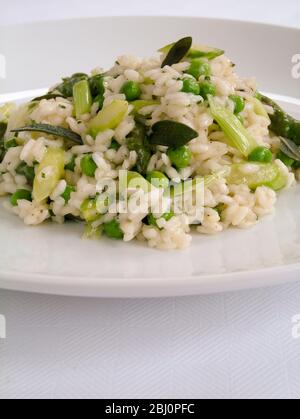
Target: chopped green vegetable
[[257, 174], [66, 87], [140, 104], [158, 179], [113, 230], [71, 165], [28, 171], [52, 130], [180, 157], [191, 86], [20, 194], [167, 217], [199, 68], [207, 89], [88, 166], [261, 154], [171, 134], [283, 124], [89, 210], [91, 232], [137, 141], [131, 181], [239, 103], [177, 51], [258, 107], [203, 51], [285, 159], [82, 98], [232, 128], [97, 85], [66, 195], [49, 172], [10, 143], [109, 117], [131, 90]]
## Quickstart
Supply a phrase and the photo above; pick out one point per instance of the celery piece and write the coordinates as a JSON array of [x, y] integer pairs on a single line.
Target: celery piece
[[257, 174], [259, 108], [49, 172], [132, 181], [89, 210], [140, 104], [82, 98], [231, 126], [91, 232], [109, 117]]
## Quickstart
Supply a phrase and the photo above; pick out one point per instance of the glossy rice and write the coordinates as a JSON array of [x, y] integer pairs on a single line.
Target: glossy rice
[[225, 205]]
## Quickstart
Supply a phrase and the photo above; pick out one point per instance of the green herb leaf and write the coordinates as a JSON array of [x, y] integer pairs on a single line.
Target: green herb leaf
[[289, 148], [48, 96], [171, 134], [52, 130], [178, 51]]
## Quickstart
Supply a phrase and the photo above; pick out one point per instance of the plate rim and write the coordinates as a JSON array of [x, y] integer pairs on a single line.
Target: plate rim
[[155, 286]]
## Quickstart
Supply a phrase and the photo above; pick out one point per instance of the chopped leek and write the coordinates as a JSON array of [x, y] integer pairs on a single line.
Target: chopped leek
[[231, 126], [49, 172], [257, 174], [109, 117], [82, 98]]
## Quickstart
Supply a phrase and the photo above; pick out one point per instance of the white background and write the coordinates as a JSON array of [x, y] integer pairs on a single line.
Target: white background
[[232, 345]]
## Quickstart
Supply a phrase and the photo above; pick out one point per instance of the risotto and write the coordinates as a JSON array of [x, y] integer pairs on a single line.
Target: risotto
[[152, 149]]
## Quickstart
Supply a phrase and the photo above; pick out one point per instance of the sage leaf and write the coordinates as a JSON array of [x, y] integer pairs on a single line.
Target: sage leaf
[[171, 134], [178, 51]]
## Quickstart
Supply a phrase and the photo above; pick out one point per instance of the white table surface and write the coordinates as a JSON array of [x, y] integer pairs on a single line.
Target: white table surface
[[236, 345]]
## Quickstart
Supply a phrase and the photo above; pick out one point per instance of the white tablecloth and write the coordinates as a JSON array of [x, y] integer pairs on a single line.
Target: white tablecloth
[[229, 345]]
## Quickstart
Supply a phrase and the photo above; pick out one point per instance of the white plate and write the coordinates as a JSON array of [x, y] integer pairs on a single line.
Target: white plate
[[53, 258]]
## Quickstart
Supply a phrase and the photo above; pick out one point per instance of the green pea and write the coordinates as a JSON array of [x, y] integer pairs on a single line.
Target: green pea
[[66, 195], [239, 103], [11, 143], [88, 166], [191, 86], [114, 145], [131, 90], [158, 179], [113, 230], [285, 159], [153, 221], [207, 89], [20, 194], [180, 157], [261, 154], [27, 171], [71, 165], [199, 68]]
